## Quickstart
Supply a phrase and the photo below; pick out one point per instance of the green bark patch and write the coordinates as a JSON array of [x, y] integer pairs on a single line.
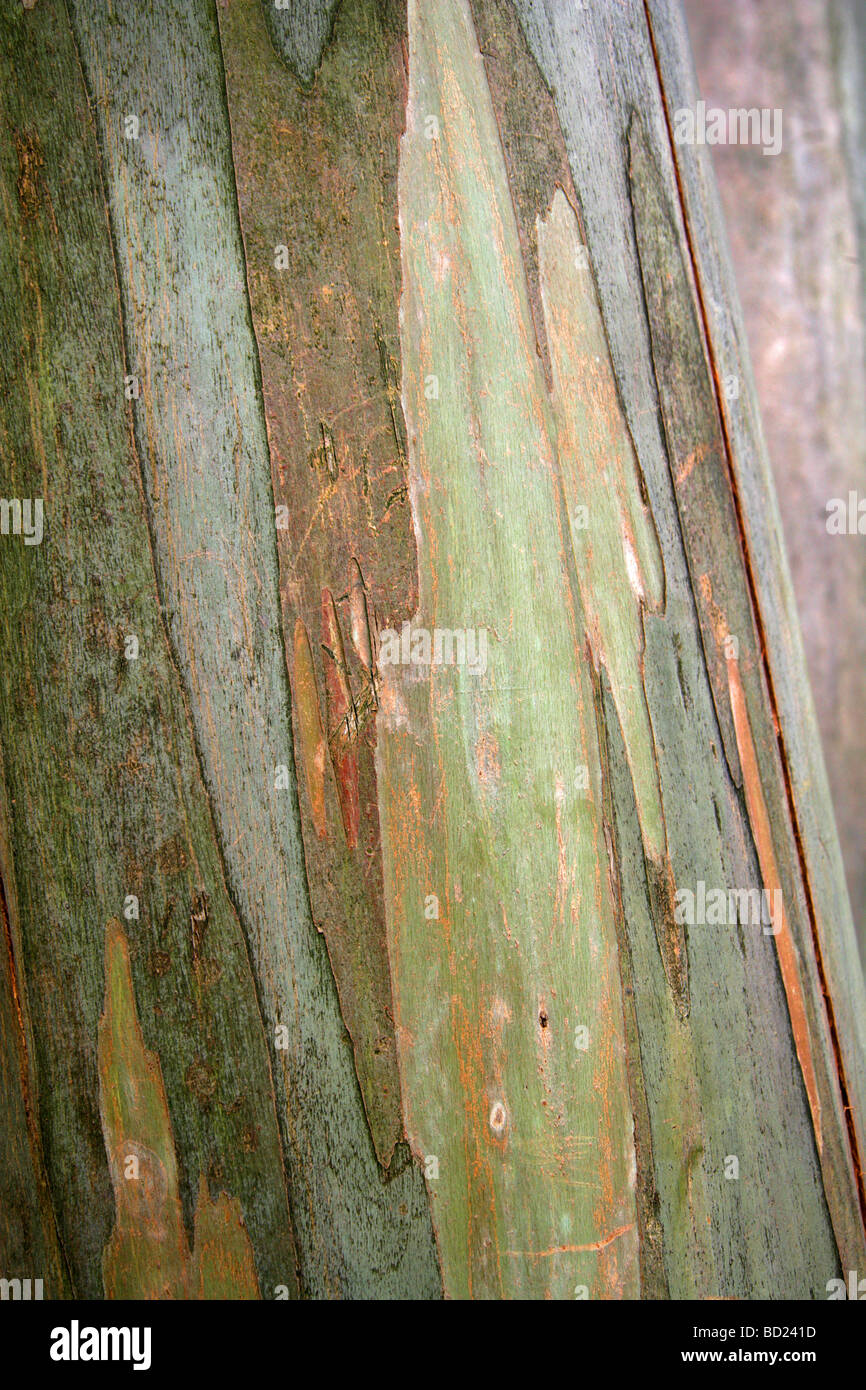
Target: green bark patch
[[616, 554], [501, 925]]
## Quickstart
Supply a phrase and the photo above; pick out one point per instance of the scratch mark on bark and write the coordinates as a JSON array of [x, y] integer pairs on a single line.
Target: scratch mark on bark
[[572, 1249]]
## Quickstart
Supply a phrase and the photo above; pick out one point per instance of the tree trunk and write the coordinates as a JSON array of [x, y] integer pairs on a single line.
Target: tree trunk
[[404, 716]]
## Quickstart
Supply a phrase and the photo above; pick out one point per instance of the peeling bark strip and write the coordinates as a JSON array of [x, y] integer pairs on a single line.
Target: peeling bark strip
[[799, 286], [654, 1282], [507, 994], [530, 136], [805, 783], [148, 1255], [105, 804], [617, 556], [316, 176], [206, 471], [692, 430], [616, 553], [360, 624]]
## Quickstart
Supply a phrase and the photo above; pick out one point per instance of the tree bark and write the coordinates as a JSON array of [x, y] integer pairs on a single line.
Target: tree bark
[[334, 969]]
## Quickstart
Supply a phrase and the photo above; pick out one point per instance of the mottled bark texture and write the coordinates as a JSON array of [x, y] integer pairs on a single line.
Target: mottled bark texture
[[410, 639]]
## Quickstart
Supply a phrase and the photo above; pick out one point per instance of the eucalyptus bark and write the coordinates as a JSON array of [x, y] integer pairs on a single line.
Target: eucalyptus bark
[[329, 972]]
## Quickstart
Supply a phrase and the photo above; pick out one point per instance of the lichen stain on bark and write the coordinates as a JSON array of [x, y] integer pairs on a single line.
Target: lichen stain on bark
[[148, 1255]]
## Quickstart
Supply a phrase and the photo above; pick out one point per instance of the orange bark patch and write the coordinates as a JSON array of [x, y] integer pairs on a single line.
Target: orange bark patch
[[785, 947], [312, 739]]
